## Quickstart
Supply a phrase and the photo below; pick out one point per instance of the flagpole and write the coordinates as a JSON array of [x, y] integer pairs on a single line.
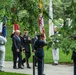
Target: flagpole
[[1, 26], [41, 21], [40, 6], [51, 28]]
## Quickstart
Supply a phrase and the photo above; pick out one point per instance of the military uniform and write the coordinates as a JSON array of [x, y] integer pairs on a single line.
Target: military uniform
[[27, 50], [55, 49], [2, 47], [74, 56], [39, 44], [74, 60], [2, 51]]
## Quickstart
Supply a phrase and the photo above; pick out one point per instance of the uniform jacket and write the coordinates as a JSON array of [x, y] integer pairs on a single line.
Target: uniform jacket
[[2, 43], [74, 56], [2, 40], [26, 43], [55, 40], [39, 44], [33, 42]]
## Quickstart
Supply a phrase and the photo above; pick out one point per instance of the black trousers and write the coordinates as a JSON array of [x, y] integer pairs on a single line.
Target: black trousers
[[74, 67], [26, 59], [40, 64], [15, 56], [74, 60]]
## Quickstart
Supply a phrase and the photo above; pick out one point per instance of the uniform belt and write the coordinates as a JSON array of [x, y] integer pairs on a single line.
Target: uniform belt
[[2, 44]]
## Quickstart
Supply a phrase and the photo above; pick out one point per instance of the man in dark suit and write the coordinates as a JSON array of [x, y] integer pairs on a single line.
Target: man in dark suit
[[27, 42], [16, 49]]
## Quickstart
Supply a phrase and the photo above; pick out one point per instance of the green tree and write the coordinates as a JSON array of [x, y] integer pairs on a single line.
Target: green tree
[[66, 9]]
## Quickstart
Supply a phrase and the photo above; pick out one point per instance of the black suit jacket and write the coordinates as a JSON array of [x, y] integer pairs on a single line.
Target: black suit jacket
[[16, 43]]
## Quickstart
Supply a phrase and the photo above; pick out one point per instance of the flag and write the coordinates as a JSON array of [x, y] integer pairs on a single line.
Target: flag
[[1, 26], [51, 28], [41, 24], [16, 27], [4, 30]]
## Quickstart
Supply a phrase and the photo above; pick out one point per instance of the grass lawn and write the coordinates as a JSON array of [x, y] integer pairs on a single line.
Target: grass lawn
[[9, 73], [48, 53]]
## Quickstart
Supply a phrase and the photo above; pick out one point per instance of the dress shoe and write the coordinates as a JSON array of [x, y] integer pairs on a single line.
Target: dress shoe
[[29, 67], [36, 66], [55, 64], [1, 71], [23, 64], [15, 68], [20, 68]]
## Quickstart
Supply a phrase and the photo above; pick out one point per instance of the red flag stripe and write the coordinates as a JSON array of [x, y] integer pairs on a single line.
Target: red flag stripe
[[16, 26], [41, 24]]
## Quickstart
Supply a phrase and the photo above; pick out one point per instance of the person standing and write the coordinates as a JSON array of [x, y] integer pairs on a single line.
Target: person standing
[[74, 55], [27, 51], [17, 49], [74, 60], [55, 50], [39, 44], [2, 51]]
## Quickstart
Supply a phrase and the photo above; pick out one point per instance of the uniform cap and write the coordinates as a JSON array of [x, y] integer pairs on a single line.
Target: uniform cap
[[38, 35], [55, 26], [25, 30]]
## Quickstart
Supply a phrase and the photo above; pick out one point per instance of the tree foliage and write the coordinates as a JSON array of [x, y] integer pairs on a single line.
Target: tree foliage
[[25, 12], [66, 9]]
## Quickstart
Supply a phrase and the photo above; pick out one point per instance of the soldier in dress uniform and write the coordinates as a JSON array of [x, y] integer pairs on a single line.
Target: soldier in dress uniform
[[55, 50], [2, 50], [27, 51], [39, 44], [74, 56]]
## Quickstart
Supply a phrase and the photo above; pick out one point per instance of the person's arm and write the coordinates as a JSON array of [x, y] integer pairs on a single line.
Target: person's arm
[[35, 45], [43, 43], [4, 39], [29, 39], [32, 43]]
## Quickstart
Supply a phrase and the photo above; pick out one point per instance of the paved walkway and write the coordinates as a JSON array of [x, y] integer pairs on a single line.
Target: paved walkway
[[49, 69]]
